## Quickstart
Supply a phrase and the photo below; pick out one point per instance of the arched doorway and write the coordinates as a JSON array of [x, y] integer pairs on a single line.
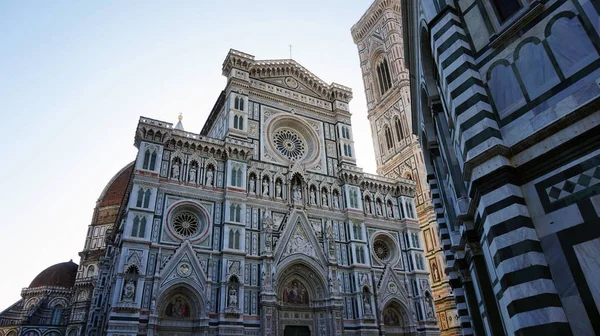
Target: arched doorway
[[180, 311], [301, 301], [296, 331], [395, 320]]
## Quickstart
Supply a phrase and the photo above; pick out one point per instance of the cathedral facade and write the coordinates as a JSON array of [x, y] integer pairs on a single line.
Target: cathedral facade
[[261, 224], [378, 36], [505, 101]]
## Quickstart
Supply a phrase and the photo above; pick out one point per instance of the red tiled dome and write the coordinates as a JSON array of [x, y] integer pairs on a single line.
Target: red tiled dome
[[60, 275], [115, 190]]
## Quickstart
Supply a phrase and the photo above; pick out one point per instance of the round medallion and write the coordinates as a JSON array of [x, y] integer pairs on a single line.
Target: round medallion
[[184, 270], [291, 82], [392, 287], [289, 143], [381, 249], [185, 224]]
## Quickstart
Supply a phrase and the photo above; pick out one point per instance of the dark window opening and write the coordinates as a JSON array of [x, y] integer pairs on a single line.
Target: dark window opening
[[506, 8]]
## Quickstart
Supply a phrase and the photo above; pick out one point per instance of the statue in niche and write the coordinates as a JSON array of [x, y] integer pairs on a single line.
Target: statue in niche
[[209, 177], [278, 189], [129, 290], [429, 307], [265, 187], [435, 272], [379, 210], [232, 297], [252, 184], [153, 305], [368, 206], [175, 174], [367, 306], [390, 210], [324, 198], [297, 193], [336, 201], [313, 197], [192, 178]]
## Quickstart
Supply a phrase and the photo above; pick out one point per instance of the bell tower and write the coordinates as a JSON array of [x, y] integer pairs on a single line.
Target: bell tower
[[378, 36]]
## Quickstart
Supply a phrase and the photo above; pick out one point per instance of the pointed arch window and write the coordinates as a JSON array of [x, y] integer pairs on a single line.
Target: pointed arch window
[[388, 138], [138, 229], [235, 120], [143, 198], [398, 127], [383, 76], [235, 213], [234, 239], [149, 159], [360, 255], [57, 314]]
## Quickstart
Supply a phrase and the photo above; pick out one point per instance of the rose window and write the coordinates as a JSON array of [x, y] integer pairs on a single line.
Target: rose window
[[289, 143], [185, 224], [381, 249]]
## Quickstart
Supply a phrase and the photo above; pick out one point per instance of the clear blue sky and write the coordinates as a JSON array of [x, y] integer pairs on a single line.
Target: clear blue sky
[[76, 75]]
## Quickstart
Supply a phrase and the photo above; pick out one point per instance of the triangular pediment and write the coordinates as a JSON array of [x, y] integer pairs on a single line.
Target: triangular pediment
[[391, 286], [294, 84], [291, 75], [299, 239], [183, 267]]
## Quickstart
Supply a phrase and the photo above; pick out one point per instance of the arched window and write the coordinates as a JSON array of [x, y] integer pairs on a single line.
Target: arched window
[[147, 198], [399, 133], [537, 71], [242, 104], [234, 176], [91, 271], [570, 44], [383, 76], [231, 238], [237, 103], [57, 315], [237, 239], [235, 120], [138, 229], [388, 138], [239, 177], [153, 160], [140, 198], [146, 159], [241, 121], [504, 87]]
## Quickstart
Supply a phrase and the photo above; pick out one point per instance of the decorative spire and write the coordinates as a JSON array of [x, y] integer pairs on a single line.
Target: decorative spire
[[179, 125]]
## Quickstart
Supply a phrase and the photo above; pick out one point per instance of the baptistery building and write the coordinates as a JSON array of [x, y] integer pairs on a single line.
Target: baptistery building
[[505, 101], [261, 224]]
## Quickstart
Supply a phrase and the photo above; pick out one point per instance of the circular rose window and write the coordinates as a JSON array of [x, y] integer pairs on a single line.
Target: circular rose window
[[187, 220], [381, 249], [289, 143], [185, 224]]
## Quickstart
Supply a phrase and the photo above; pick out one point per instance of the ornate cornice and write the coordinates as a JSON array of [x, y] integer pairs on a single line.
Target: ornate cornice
[[371, 17]]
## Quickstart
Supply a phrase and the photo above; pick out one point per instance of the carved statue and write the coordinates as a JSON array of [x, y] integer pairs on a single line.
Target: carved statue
[[265, 187], [192, 178], [252, 184], [336, 201], [209, 177], [297, 193], [129, 290], [175, 173], [368, 207], [278, 189], [232, 297], [390, 211], [367, 306], [379, 212], [313, 197], [324, 199]]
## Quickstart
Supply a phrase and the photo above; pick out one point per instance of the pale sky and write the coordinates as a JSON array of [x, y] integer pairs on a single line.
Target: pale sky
[[76, 75]]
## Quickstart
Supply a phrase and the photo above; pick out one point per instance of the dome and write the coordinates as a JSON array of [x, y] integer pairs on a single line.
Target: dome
[[60, 275], [116, 188]]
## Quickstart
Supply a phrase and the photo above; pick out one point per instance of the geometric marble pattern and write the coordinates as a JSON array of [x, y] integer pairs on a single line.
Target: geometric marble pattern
[[574, 184]]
